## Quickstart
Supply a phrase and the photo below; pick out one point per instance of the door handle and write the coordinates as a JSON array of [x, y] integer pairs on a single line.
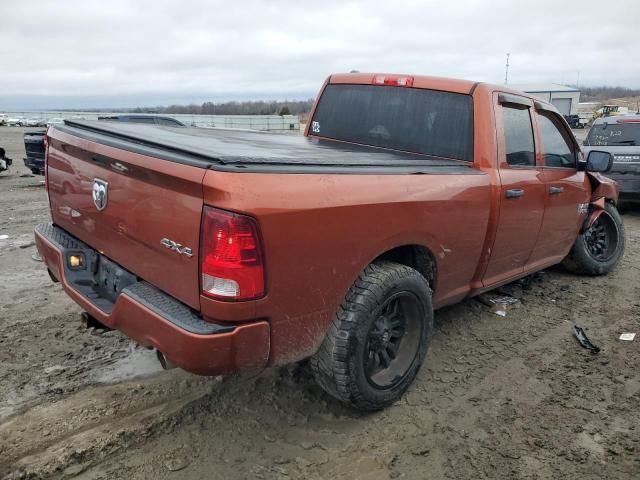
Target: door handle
[[555, 190], [514, 193]]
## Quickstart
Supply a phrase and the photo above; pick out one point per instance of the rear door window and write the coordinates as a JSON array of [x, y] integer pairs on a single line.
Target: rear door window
[[556, 142], [518, 136], [408, 119]]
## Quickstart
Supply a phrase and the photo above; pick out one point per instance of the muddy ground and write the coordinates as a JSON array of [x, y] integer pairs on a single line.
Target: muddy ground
[[513, 398]]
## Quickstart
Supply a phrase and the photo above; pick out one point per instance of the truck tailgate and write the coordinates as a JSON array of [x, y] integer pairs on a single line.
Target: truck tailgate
[[149, 204]]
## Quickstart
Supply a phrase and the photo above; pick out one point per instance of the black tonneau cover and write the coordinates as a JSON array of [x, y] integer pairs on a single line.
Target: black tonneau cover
[[243, 149]]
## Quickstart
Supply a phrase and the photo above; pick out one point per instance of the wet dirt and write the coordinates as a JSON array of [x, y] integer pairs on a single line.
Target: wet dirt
[[512, 397]]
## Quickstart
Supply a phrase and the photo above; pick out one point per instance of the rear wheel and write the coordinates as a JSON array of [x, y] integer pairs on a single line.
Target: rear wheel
[[599, 249], [378, 339]]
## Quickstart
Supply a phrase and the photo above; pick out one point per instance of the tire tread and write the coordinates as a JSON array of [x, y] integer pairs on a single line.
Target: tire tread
[[330, 364], [579, 261]]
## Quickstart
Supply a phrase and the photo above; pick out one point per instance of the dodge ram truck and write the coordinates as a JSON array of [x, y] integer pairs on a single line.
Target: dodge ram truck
[[34, 151], [230, 251]]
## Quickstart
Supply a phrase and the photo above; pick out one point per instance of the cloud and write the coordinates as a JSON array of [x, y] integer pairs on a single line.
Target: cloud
[[154, 51]]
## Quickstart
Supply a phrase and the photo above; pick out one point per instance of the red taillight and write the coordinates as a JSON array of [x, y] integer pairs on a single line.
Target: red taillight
[[393, 80], [230, 256]]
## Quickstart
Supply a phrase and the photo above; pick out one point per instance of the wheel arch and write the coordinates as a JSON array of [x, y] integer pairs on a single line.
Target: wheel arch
[[415, 256]]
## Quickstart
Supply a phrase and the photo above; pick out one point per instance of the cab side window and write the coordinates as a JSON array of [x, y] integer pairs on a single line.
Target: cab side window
[[518, 136], [556, 143]]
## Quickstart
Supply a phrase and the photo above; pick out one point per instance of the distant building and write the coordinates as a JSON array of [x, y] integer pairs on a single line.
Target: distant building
[[564, 98]]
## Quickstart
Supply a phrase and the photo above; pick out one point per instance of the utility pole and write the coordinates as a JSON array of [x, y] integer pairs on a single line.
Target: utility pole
[[578, 80], [506, 71]]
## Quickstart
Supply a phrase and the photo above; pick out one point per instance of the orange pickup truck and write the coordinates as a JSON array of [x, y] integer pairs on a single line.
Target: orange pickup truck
[[230, 251]]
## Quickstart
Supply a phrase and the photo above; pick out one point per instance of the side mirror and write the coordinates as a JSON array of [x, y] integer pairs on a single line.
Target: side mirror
[[598, 161]]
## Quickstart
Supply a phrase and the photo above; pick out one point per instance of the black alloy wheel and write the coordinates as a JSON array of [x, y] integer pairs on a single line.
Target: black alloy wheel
[[602, 238], [393, 340], [599, 249], [378, 338]]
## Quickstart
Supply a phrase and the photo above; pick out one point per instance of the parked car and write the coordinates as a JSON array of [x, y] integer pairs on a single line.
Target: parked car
[[231, 251], [55, 121], [34, 149], [619, 136], [5, 162], [574, 121], [31, 122], [14, 121]]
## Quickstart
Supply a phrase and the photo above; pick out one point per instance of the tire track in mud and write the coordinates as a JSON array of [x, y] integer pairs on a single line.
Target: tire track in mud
[[98, 421]]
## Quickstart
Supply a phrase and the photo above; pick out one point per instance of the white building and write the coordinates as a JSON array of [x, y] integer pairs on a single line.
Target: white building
[[564, 98]]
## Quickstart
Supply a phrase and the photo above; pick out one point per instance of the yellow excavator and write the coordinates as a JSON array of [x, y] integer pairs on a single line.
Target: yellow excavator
[[603, 111], [610, 111]]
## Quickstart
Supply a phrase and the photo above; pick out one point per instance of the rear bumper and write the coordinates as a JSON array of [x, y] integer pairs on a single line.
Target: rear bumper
[[153, 318]]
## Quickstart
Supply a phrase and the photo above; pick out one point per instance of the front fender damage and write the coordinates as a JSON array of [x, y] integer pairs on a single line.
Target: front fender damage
[[603, 187], [603, 190]]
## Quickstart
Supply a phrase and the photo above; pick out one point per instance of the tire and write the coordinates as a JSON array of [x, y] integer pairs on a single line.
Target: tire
[[598, 250], [378, 338]]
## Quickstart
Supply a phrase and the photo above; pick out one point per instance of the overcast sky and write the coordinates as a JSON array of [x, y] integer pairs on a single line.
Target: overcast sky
[[133, 52]]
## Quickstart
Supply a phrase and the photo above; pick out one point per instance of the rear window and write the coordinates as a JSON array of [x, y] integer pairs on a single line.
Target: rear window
[[619, 134], [408, 119]]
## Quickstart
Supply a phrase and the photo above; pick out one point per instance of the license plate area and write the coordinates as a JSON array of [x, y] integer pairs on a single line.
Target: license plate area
[[100, 280], [110, 279]]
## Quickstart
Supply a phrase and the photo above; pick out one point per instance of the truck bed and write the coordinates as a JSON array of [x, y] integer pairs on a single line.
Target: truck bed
[[242, 150]]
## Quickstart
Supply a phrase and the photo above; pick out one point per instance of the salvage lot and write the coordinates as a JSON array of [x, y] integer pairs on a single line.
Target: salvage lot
[[513, 397]]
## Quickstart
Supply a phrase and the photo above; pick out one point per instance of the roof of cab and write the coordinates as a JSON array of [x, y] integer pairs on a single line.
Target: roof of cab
[[419, 81], [433, 83]]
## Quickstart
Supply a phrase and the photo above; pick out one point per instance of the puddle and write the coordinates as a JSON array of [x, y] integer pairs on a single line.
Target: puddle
[[139, 362]]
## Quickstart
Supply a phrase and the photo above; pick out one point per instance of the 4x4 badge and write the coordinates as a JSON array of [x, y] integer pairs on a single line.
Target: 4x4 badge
[[100, 193], [176, 247]]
